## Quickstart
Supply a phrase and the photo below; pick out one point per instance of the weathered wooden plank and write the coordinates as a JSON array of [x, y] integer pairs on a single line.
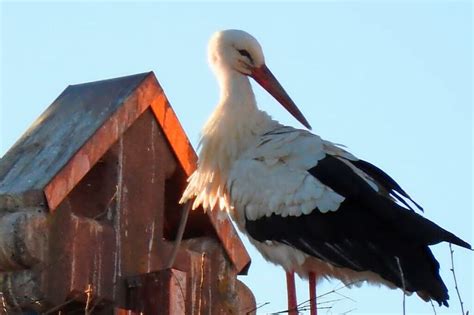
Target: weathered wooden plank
[[80, 255], [208, 285], [219, 291], [144, 163], [61, 131], [164, 292]]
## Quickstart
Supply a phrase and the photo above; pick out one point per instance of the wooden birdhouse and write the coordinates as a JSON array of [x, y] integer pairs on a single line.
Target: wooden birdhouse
[[89, 212]]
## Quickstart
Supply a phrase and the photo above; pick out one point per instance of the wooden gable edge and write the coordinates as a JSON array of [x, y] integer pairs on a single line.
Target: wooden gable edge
[[147, 94]]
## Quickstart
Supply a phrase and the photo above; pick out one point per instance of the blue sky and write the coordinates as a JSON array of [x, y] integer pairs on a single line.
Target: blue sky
[[390, 80]]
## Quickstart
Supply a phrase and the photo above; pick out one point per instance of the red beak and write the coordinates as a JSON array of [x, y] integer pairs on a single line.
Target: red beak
[[267, 80]]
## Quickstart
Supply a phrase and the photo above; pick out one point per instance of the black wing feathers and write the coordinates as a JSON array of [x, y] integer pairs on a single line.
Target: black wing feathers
[[388, 183], [367, 232], [352, 238], [336, 174]]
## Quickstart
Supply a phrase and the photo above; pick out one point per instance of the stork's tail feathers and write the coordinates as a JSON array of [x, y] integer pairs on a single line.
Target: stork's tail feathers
[[436, 234], [420, 266], [415, 226], [421, 275], [453, 239]]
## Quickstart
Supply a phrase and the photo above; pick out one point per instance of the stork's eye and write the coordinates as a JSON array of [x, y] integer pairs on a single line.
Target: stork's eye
[[245, 53]]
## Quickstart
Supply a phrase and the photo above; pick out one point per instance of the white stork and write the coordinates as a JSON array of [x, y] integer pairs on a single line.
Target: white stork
[[304, 202]]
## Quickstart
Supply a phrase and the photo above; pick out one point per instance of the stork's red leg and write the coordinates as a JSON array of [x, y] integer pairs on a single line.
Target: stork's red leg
[[291, 290], [312, 294]]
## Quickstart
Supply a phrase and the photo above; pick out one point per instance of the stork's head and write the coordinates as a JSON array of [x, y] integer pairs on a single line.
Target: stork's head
[[235, 50]]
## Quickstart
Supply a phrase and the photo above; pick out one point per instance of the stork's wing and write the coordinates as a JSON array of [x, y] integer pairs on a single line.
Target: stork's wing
[[272, 177], [386, 185], [299, 190]]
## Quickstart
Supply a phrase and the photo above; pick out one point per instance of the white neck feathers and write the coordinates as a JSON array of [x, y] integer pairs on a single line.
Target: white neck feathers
[[232, 128]]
